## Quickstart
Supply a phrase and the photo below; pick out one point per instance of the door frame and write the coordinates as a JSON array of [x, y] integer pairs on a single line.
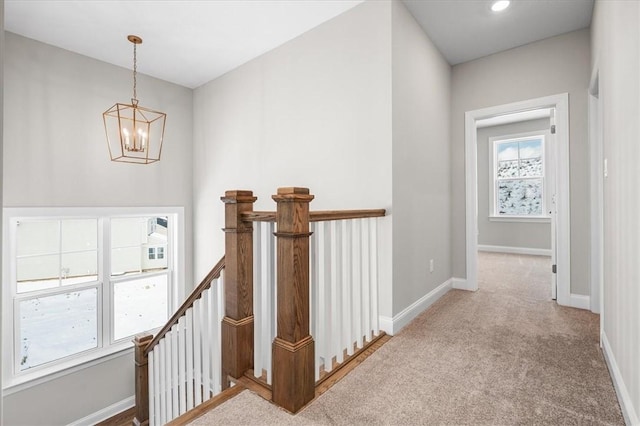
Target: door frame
[[596, 154], [563, 221]]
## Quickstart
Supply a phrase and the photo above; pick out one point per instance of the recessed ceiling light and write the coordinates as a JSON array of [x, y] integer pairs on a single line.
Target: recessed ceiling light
[[500, 5]]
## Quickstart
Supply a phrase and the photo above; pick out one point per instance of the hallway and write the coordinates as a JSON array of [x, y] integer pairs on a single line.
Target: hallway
[[503, 355]]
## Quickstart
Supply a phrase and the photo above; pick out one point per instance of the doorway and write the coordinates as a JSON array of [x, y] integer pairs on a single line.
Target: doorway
[[516, 192], [559, 104]]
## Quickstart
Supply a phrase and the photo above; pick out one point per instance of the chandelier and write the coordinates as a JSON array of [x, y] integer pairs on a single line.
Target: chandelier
[[134, 133]]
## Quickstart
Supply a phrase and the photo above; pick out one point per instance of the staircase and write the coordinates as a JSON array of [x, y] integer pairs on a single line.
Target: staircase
[[293, 301]]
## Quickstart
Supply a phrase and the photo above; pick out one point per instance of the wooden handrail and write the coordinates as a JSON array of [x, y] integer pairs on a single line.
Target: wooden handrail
[[317, 216], [195, 295]]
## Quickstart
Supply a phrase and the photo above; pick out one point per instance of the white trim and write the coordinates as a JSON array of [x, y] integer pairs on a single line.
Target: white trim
[[580, 301], [106, 349], [521, 219], [461, 284], [596, 176], [626, 404], [515, 250], [561, 104], [106, 413], [393, 325]]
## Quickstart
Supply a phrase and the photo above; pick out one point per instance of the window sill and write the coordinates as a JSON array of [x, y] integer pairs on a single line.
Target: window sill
[[522, 219], [77, 363]]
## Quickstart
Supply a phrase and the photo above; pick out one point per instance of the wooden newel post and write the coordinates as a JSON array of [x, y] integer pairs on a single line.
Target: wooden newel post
[[237, 325], [293, 348], [140, 342]]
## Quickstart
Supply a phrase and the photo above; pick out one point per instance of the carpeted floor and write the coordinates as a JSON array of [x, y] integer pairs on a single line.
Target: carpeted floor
[[503, 355]]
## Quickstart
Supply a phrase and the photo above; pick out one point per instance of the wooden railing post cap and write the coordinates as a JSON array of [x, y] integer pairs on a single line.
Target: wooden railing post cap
[[142, 339], [292, 193], [238, 196]]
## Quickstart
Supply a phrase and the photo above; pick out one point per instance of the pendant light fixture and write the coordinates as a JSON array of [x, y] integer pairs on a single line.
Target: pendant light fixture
[[134, 133]]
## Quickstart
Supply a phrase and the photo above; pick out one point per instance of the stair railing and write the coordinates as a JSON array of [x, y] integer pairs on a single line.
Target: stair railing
[[315, 300]]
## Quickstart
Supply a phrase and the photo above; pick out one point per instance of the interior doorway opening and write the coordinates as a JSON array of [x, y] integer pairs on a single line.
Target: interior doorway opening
[[516, 193], [559, 119]]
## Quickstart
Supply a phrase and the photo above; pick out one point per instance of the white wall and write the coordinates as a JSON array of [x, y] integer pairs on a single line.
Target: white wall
[[548, 67], [421, 162], [506, 234], [315, 112], [616, 56], [1, 150], [55, 154]]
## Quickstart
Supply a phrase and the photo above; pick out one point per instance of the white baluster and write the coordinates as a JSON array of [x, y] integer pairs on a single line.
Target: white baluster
[[189, 342], [258, 302], [336, 307], [375, 321], [182, 366], [206, 356], [356, 254], [272, 313], [314, 301], [366, 284], [175, 408], [197, 354], [164, 386], [347, 329], [322, 296], [215, 333], [152, 389]]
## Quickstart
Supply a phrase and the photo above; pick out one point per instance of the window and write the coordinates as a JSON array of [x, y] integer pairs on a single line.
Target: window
[[518, 177], [80, 287]]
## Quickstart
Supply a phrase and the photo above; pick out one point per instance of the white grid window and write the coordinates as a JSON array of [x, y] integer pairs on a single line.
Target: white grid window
[[80, 286]]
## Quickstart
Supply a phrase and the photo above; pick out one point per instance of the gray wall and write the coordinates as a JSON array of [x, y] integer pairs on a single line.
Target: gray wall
[[314, 112], [506, 234], [616, 55], [555, 65], [421, 163], [55, 154]]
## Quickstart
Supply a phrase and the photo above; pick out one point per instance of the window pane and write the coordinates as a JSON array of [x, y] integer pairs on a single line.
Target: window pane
[[79, 267], [531, 148], [134, 242], [79, 235], [507, 151], [37, 272], [507, 169], [531, 167], [53, 327], [520, 197], [139, 305], [34, 238]]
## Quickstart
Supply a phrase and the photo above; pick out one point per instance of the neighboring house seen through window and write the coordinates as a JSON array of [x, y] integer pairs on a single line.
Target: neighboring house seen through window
[[83, 285]]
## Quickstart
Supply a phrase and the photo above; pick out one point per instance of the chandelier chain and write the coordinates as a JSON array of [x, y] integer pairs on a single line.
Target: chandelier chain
[[135, 70]]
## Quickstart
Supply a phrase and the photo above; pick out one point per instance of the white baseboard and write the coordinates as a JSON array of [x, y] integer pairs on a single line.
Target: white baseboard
[[581, 302], [461, 284], [395, 324], [106, 413], [630, 416], [515, 250]]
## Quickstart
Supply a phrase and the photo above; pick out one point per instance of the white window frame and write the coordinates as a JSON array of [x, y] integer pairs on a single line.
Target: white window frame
[[494, 216], [15, 380]]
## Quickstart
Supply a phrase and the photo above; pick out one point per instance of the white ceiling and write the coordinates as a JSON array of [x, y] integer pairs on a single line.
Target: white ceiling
[[190, 42], [465, 30]]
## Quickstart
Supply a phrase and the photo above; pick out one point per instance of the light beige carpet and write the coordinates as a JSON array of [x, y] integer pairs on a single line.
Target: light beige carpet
[[503, 355]]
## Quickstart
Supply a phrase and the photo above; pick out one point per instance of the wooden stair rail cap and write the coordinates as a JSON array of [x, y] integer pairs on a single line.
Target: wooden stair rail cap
[[238, 196], [293, 194]]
